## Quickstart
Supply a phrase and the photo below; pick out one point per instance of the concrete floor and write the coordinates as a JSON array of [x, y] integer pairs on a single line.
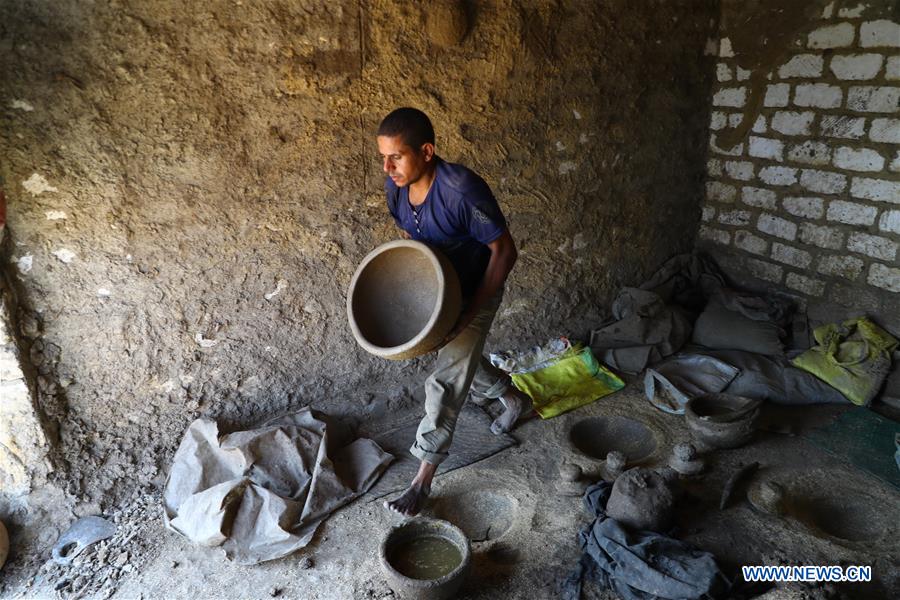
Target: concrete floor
[[532, 541]]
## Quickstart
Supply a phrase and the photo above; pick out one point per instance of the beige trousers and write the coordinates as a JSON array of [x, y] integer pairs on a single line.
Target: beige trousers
[[460, 365]]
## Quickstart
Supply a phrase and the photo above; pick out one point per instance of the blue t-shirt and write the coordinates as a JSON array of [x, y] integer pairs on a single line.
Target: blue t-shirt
[[459, 216]]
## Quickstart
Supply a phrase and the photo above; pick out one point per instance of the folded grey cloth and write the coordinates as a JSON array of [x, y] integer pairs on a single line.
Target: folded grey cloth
[[261, 493]]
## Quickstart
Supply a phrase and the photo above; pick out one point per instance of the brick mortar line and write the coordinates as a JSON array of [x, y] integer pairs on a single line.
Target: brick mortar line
[[750, 228], [819, 221], [815, 255], [827, 280], [801, 192], [884, 174]]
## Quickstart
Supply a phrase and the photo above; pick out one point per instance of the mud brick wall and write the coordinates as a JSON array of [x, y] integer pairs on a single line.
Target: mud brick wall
[[803, 195]]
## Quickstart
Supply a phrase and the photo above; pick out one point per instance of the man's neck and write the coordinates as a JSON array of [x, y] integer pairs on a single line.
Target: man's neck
[[418, 190]]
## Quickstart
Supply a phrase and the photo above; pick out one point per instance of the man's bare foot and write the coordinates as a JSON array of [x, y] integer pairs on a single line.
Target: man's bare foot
[[516, 403], [411, 502]]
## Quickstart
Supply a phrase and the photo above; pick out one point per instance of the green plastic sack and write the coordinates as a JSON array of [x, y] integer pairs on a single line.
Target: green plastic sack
[[574, 380], [853, 357]]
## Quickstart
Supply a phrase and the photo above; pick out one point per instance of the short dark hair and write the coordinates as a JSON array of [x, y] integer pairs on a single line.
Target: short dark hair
[[410, 123]]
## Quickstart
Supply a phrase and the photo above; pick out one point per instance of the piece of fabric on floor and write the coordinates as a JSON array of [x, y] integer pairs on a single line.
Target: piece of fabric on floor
[[574, 380], [260, 494], [670, 384], [653, 320], [643, 330], [472, 442], [897, 453], [864, 439], [639, 565]]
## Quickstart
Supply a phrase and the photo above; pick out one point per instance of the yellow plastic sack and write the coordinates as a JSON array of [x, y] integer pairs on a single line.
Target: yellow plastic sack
[[576, 379], [854, 357]]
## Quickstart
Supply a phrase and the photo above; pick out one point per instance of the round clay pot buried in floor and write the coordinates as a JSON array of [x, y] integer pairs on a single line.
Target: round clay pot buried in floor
[[849, 517], [596, 437], [482, 515]]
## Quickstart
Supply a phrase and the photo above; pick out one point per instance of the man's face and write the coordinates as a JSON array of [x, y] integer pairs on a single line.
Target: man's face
[[403, 164]]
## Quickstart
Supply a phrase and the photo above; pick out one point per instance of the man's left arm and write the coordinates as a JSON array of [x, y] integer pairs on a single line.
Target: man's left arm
[[503, 257]]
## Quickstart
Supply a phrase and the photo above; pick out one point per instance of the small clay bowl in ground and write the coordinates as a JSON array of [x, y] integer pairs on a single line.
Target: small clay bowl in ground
[[408, 588], [722, 420]]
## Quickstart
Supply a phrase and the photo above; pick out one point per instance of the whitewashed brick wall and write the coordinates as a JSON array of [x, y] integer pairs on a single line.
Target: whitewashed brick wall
[[810, 200]]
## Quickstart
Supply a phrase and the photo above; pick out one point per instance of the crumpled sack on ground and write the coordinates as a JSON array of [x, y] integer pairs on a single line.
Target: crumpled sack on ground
[[643, 330], [570, 378], [537, 357], [853, 356], [725, 327], [687, 280], [774, 379], [654, 320], [697, 371], [261, 494], [670, 384], [639, 565]]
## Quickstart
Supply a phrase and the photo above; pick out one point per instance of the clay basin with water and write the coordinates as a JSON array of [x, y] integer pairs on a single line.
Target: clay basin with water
[[425, 559], [403, 300]]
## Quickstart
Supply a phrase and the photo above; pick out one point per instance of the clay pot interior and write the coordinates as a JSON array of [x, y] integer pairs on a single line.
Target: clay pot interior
[[598, 436], [395, 296], [403, 299], [395, 564]]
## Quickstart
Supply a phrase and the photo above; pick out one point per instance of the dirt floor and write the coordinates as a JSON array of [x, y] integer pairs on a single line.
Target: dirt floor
[[528, 530]]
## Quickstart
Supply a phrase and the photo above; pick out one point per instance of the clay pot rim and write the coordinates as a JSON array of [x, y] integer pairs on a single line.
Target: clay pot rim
[[739, 408], [390, 351], [464, 549]]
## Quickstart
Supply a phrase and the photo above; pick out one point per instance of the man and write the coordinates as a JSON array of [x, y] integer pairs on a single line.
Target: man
[[450, 207]]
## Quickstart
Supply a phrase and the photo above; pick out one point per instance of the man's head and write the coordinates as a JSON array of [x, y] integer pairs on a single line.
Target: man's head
[[406, 144]]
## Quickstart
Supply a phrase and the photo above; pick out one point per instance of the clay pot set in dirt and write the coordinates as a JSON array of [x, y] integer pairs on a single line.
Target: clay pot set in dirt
[[425, 559], [721, 420]]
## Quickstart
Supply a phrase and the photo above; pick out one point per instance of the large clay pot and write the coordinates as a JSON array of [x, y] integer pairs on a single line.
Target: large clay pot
[[403, 300]]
